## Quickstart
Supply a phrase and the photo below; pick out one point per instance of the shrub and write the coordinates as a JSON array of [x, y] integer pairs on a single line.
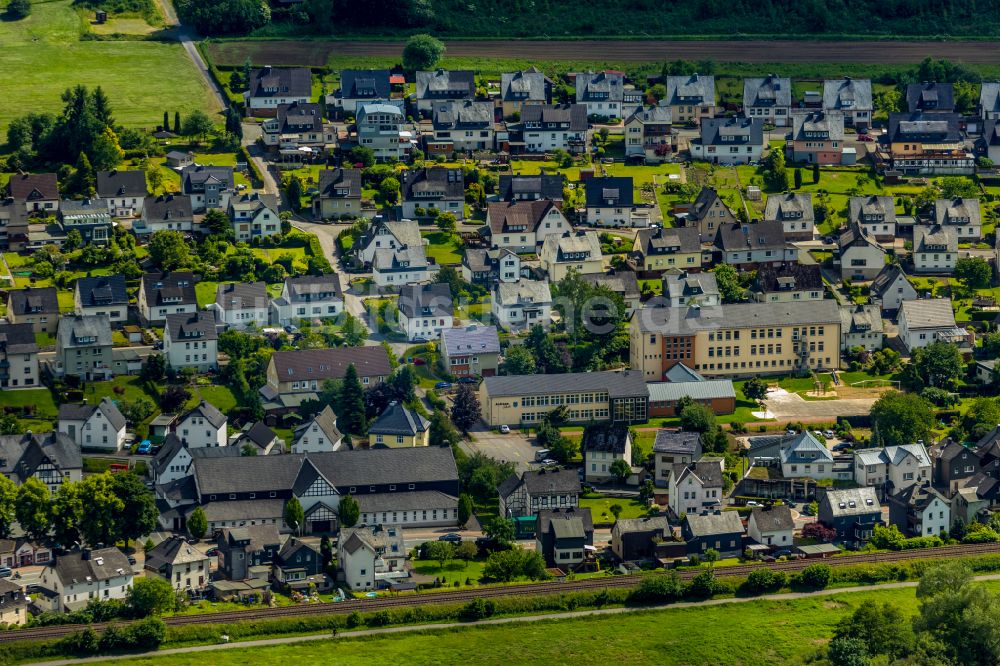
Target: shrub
[[765, 580], [478, 609], [657, 589], [703, 585], [355, 620], [147, 634], [816, 576]]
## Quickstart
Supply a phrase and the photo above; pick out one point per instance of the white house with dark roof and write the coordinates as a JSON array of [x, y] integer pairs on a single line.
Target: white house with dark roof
[[935, 249], [254, 215], [605, 94], [601, 446], [579, 251], [682, 289], [548, 127], [924, 321], [38, 306], [694, 487], [989, 100], [400, 266], [520, 226], [610, 203], [674, 447], [124, 191], [788, 283], [257, 437], [298, 132], [425, 310], [207, 185], [18, 357], [191, 340], [875, 214], [893, 467], [338, 195], [861, 326], [165, 212], [851, 97], [161, 294], [104, 295], [241, 304], [461, 126], [471, 351], [99, 426], [442, 85], [318, 434], [83, 347], [961, 214], [771, 526], [648, 134], [691, 98], [525, 494], [920, 511], [891, 287], [523, 88], [203, 426], [522, 304], [271, 86], [736, 140], [768, 98], [795, 212], [80, 577], [180, 564], [386, 234], [360, 86], [309, 298], [861, 257], [372, 556], [435, 187]]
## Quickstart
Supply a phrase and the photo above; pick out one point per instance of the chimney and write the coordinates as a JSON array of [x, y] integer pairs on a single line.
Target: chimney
[[85, 554]]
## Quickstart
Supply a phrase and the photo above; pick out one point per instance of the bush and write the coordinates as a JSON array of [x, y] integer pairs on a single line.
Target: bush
[[147, 634], [479, 609], [765, 580], [657, 589], [704, 585], [816, 576]]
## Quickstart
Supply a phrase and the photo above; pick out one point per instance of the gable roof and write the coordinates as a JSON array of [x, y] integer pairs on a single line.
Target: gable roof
[[398, 420], [773, 519], [600, 86], [607, 436], [528, 215], [609, 191], [323, 364], [565, 117], [326, 421], [709, 524], [108, 408], [816, 124], [622, 282], [167, 207], [280, 82], [406, 232], [692, 89], [875, 207], [33, 300], [737, 130], [770, 90], [126, 183], [99, 565], [862, 318], [443, 83], [241, 295], [930, 96], [433, 183], [525, 85], [690, 285], [311, 287], [847, 94], [682, 240], [549, 482], [200, 325], [570, 246], [788, 277], [461, 115], [174, 288], [957, 211], [102, 291], [83, 331], [737, 315], [541, 186], [856, 236], [934, 238], [765, 235], [645, 524], [22, 454], [851, 501], [470, 340], [707, 471], [34, 186], [927, 313], [568, 523], [705, 202], [652, 115], [340, 183], [920, 126], [426, 300], [886, 278], [789, 206], [18, 338], [365, 84]]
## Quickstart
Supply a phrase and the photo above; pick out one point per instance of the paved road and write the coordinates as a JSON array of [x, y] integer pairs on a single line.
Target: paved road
[[252, 132], [186, 37]]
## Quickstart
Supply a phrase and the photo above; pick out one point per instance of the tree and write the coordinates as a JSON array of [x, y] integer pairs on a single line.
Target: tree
[[815, 173], [518, 360], [728, 281], [442, 430], [293, 191], [166, 120], [819, 531], [350, 406], [103, 516], [440, 551], [173, 398], [697, 418], [169, 250], [816, 576], [32, 508], [466, 551], [10, 425], [466, 411], [422, 52], [349, 511], [500, 530], [8, 505], [981, 417], [197, 125], [710, 557], [197, 523], [294, 515], [326, 550], [403, 383], [798, 179], [352, 330], [85, 181], [105, 151], [218, 223], [755, 390], [973, 272], [902, 418], [465, 509], [447, 222], [67, 511], [881, 628], [939, 364], [18, 9], [389, 189], [616, 509], [139, 515], [848, 652], [621, 470], [151, 595], [363, 155], [154, 369], [507, 565]]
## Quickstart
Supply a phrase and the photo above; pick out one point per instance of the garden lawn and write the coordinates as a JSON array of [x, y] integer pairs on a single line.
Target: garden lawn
[[43, 55], [454, 571], [41, 399], [94, 392], [600, 508], [217, 395], [443, 248]]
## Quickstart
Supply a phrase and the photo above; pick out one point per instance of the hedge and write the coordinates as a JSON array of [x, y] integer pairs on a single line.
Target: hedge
[[256, 178], [316, 250]]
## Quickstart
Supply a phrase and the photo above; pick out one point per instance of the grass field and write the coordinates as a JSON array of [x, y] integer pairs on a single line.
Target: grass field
[[443, 248], [600, 508], [756, 633], [43, 55]]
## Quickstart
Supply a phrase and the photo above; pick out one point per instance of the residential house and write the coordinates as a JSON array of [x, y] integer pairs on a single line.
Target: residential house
[[989, 100], [318, 434], [659, 249], [674, 447], [634, 539], [523, 88], [521, 226], [444, 85], [254, 215], [861, 326], [372, 556], [386, 234], [487, 267], [23, 552], [722, 531], [602, 445], [935, 249], [308, 298], [124, 192], [602, 93], [853, 512], [973, 497], [89, 217], [851, 97], [202, 426], [890, 288], [522, 304], [182, 565], [564, 537], [435, 187], [920, 511], [241, 304], [788, 283], [923, 144], [51, 457], [257, 437], [425, 310], [875, 214], [83, 347], [548, 127], [298, 567], [166, 212], [191, 340], [749, 246], [924, 321], [77, 578], [99, 426], [304, 371], [534, 490], [768, 99], [298, 132], [683, 382], [461, 127], [359, 87], [736, 140], [795, 212], [166, 293], [270, 87], [930, 97], [102, 296], [207, 185], [13, 225], [173, 464], [986, 371], [399, 427], [682, 290], [817, 137], [382, 128], [736, 340], [695, 487], [691, 98], [707, 213], [241, 548], [798, 456], [861, 257], [954, 463], [38, 306], [531, 188], [472, 351], [961, 214], [623, 283], [579, 251], [621, 397], [400, 266], [771, 526], [609, 203], [338, 195], [178, 159], [18, 357], [13, 604], [38, 193], [989, 142], [648, 134]]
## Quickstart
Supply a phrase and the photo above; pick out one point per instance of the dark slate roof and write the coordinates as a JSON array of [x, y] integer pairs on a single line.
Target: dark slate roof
[[280, 82], [340, 183], [102, 564], [196, 176], [738, 315], [771, 90], [602, 86], [525, 85], [209, 412], [462, 115], [684, 240], [750, 131], [446, 84], [167, 207], [101, 291], [659, 524], [789, 277], [241, 295], [175, 288], [569, 523], [690, 89], [33, 300], [440, 182], [304, 288], [567, 117], [415, 500], [919, 496], [744, 237], [957, 211], [322, 364], [260, 434], [924, 127], [847, 95], [561, 481], [678, 441], [364, 84], [21, 455], [426, 300], [886, 278], [77, 331], [706, 470], [616, 190], [617, 384], [299, 116], [18, 338], [327, 422], [505, 214], [790, 206], [34, 186], [470, 340], [542, 186], [128, 183], [74, 412], [930, 97], [398, 420], [623, 282], [709, 524], [813, 124], [200, 325], [855, 235], [703, 203], [773, 519], [610, 437], [652, 115]]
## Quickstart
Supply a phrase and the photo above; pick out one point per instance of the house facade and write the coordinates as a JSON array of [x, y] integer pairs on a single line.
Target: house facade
[[472, 351], [308, 298], [768, 99], [735, 140], [382, 128], [425, 311], [339, 194], [18, 357], [610, 203], [691, 98], [521, 226], [935, 249], [83, 347], [924, 321], [695, 487], [817, 137], [522, 304], [548, 127], [99, 426], [78, 578], [162, 294], [578, 251], [269, 87], [851, 97], [192, 340]]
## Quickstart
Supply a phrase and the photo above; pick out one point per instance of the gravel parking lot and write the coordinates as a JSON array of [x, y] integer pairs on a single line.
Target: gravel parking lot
[[514, 446]]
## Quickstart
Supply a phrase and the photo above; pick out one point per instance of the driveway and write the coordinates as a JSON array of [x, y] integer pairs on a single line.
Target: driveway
[[784, 406], [252, 132], [515, 447]]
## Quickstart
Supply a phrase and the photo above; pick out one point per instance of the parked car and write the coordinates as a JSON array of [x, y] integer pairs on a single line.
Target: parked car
[[291, 330], [542, 455], [468, 380], [212, 552], [131, 559], [829, 434], [505, 429], [451, 537], [442, 386], [866, 138], [843, 446], [753, 503], [782, 553], [145, 446], [419, 361], [548, 462], [5, 572]]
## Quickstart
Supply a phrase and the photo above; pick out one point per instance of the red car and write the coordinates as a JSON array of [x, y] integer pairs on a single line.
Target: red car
[[865, 137]]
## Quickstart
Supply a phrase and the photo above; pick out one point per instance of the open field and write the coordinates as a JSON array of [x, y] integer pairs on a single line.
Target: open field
[[43, 55]]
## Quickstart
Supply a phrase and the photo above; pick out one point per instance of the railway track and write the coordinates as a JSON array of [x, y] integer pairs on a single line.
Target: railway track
[[547, 588]]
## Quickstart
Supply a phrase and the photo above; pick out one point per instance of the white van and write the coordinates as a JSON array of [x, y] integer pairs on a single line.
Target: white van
[[542, 455]]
